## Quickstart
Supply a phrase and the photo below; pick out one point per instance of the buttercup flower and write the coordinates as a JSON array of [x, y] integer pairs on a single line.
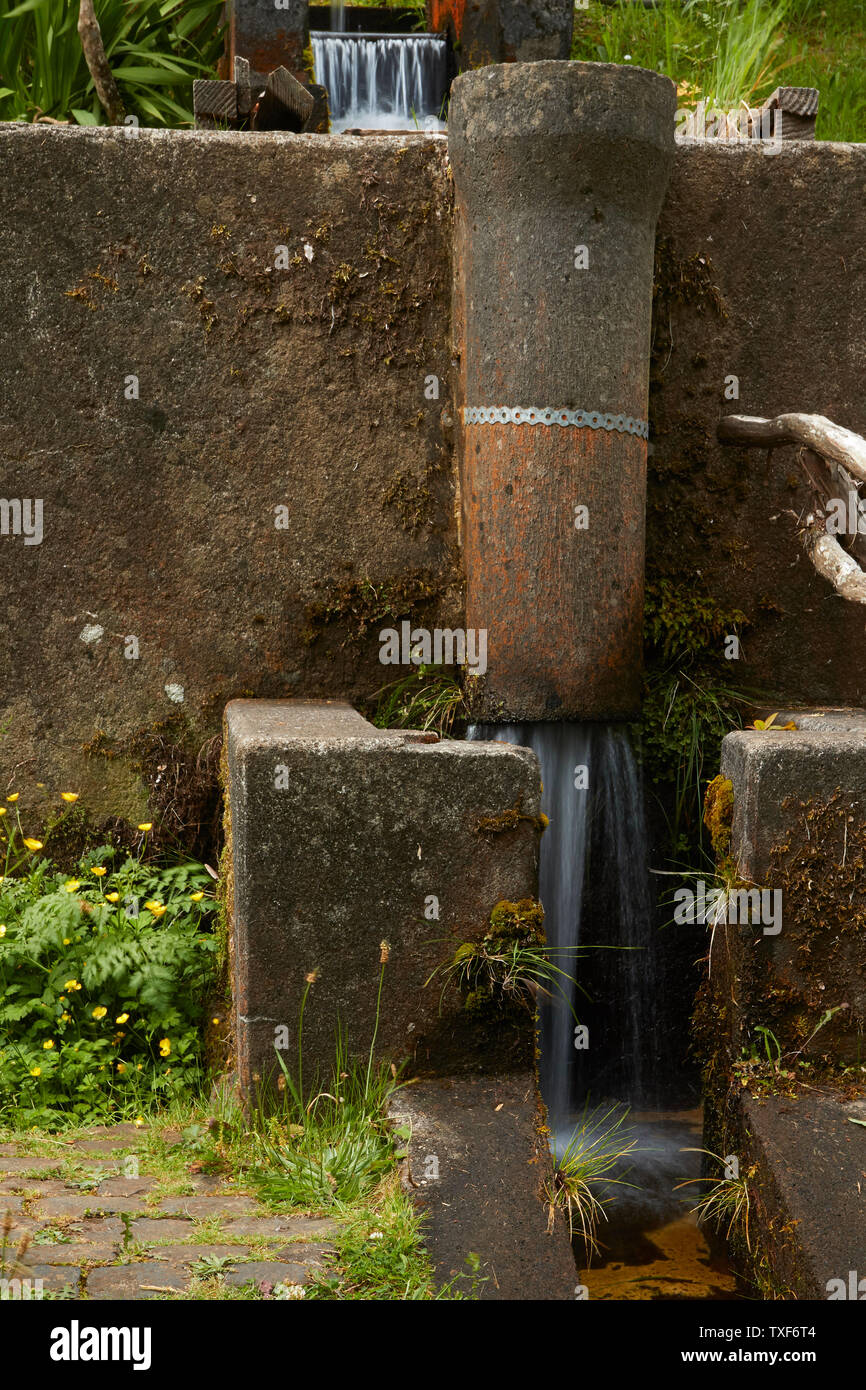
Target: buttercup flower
[[156, 908], [70, 796], [122, 1018], [13, 797], [165, 1047], [100, 871], [72, 984], [67, 940], [71, 885], [146, 825], [48, 1044], [64, 1018], [112, 897], [35, 1071], [2, 810], [121, 1066], [32, 844], [139, 1123], [2, 928], [196, 897], [99, 1012]]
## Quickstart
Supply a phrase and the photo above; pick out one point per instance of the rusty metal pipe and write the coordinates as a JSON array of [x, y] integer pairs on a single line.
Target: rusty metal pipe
[[559, 170]]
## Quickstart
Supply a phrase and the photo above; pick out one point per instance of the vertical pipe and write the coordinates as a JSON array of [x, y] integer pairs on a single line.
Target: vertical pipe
[[560, 170]]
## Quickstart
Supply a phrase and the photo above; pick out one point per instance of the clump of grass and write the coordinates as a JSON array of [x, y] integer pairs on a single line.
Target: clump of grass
[[511, 964], [584, 1171], [328, 1145], [427, 699], [726, 1205]]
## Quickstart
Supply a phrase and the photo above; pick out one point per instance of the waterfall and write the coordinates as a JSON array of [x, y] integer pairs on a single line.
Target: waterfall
[[382, 81], [594, 885]]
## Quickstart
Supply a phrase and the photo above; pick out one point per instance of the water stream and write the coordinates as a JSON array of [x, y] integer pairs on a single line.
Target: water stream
[[595, 887], [382, 81]]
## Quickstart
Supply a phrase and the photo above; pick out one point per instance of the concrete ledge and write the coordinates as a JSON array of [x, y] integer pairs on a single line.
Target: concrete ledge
[[478, 1167], [343, 836], [808, 1222]]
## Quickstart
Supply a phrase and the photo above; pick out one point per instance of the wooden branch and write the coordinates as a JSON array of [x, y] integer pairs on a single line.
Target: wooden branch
[[814, 431], [97, 63], [834, 459], [834, 564]]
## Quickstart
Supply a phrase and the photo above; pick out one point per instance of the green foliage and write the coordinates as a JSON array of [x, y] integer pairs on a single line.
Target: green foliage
[[328, 1144], [688, 704], [583, 1172], [511, 962], [726, 52], [155, 49], [425, 699], [100, 1011]]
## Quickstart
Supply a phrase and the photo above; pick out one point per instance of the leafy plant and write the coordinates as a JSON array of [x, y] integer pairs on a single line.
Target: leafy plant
[[103, 980], [155, 49], [727, 1203]]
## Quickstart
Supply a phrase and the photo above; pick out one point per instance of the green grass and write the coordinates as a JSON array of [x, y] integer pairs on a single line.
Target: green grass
[[155, 49], [730, 51]]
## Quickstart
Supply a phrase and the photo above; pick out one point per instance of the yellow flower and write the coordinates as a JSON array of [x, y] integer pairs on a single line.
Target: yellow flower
[[146, 825], [2, 810], [2, 928], [71, 885], [122, 1018], [140, 1067], [67, 940], [121, 1066], [72, 984], [214, 1020], [100, 871], [32, 844], [196, 897], [48, 1044], [13, 797], [99, 1011], [165, 1047], [112, 897], [64, 1018], [70, 796], [35, 1071], [139, 1123], [156, 908]]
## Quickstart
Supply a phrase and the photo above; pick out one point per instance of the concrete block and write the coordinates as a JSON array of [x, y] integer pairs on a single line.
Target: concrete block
[[799, 830], [344, 835]]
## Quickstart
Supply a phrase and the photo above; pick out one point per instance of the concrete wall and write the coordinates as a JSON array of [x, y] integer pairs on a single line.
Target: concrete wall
[[260, 388], [305, 388]]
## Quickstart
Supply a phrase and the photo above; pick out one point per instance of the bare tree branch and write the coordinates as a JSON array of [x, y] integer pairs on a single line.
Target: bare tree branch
[[835, 463], [97, 63]]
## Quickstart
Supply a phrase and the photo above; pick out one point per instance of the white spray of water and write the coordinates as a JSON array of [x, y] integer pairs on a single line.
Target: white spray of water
[[382, 82]]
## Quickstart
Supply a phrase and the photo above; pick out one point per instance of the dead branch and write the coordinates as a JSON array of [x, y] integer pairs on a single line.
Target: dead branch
[[97, 63], [834, 460]]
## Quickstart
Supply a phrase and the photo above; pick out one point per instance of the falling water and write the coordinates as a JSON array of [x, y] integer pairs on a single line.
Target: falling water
[[382, 81], [594, 885]]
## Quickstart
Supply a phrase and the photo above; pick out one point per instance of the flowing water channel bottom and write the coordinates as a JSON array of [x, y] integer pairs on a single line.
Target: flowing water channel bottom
[[595, 887]]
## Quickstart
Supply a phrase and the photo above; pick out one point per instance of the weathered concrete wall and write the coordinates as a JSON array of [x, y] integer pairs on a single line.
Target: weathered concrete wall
[[305, 388], [761, 275], [340, 834], [259, 388]]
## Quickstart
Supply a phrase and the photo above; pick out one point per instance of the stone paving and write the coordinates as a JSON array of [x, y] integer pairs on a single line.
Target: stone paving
[[109, 1234]]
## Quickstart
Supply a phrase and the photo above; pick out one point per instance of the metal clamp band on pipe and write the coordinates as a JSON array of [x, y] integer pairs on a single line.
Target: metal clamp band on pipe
[[551, 415]]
